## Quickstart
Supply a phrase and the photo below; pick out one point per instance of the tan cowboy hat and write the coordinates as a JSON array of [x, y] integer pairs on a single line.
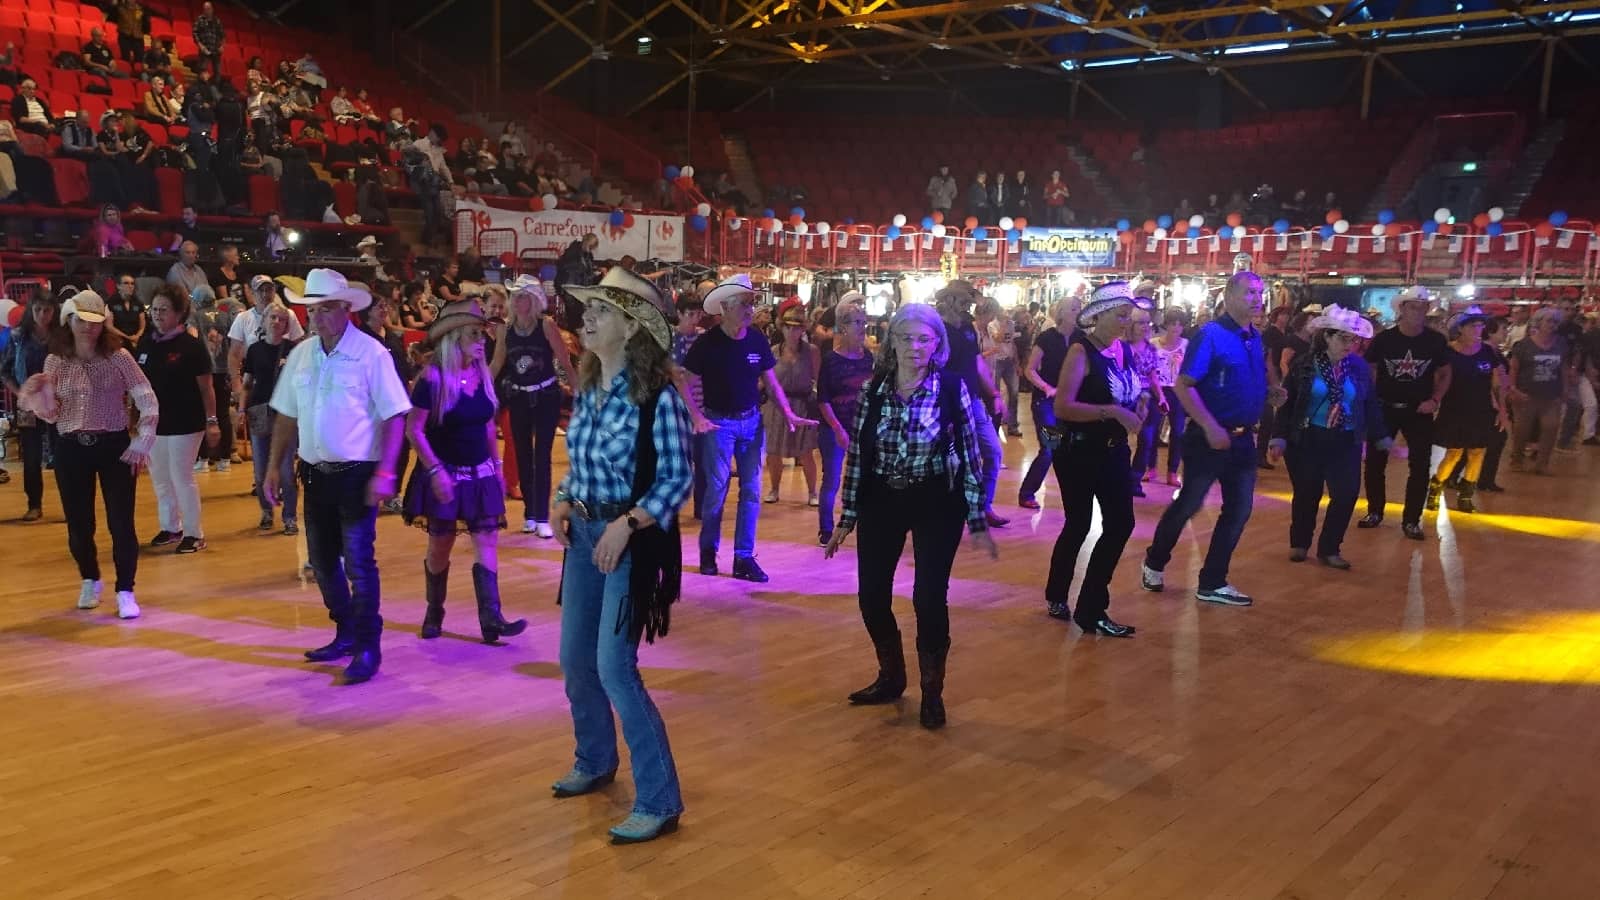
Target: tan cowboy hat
[[323, 285], [1413, 294], [459, 314], [86, 305], [637, 297]]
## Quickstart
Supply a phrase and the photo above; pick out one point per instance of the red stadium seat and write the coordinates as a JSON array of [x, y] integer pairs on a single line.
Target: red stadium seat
[[263, 194], [169, 185]]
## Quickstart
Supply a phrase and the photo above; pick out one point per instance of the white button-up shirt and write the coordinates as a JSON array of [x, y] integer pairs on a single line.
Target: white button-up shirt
[[250, 326], [339, 399]]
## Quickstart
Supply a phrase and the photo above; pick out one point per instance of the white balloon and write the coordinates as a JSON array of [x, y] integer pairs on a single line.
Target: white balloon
[[1006, 223], [1377, 231], [1441, 215], [1159, 234], [1496, 214], [938, 231], [823, 228], [1341, 226], [900, 220], [802, 228], [735, 224], [703, 209], [687, 171], [1197, 221], [777, 226], [550, 201]]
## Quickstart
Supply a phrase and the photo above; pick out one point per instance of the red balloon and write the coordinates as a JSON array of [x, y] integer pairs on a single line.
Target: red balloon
[[1481, 220], [1180, 227], [1126, 237], [1150, 226], [1544, 230], [1235, 219], [972, 222], [14, 317], [1019, 223], [796, 219], [627, 220], [1446, 228], [535, 204], [730, 213], [938, 217], [1333, 216]]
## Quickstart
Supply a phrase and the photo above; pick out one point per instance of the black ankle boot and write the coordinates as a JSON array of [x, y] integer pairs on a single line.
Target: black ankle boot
[[1435, 488], [341, 646], [433, 619], [1464, 497], [486, 584], [931, 663], [891, 681]]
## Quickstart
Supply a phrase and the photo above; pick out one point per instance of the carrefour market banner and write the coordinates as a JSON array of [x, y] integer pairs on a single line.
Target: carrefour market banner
[[548, 232], [1074, 248]]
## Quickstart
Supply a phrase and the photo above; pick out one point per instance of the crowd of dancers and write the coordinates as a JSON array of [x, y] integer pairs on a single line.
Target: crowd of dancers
[[664, 412]]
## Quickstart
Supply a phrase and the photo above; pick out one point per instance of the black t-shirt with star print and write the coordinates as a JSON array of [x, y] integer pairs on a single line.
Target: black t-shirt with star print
[[1405, 365]]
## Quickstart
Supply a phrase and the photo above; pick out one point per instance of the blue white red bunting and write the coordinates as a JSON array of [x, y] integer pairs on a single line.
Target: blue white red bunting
[[1564, 239], [1483, 243], [1512, 241], [1457, 241], [1282, 244]]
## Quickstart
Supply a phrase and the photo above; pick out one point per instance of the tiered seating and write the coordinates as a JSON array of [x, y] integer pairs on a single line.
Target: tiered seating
[[1571, 179]]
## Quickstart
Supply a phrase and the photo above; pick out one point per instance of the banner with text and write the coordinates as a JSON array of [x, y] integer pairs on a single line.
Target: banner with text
[[548, 232], [1076, 248]]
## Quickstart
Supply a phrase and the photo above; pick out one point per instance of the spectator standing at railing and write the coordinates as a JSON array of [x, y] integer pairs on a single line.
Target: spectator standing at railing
[[1056, 194], [942, 191], [208, 37]]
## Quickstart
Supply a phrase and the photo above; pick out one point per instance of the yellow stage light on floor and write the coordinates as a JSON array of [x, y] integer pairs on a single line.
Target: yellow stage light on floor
[[1553, 648]]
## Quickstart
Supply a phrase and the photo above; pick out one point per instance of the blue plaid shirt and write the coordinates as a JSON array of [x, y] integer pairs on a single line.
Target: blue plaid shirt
[[601, 444]]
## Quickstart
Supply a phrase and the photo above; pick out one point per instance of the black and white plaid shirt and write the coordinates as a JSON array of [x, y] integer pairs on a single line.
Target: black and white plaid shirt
[[910, 444]]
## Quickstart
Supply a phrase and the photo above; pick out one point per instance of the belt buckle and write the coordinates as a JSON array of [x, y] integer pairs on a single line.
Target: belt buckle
[[582, 509], [898, 482], [86, 438]]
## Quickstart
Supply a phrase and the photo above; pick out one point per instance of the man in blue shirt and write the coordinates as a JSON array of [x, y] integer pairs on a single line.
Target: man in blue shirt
[[1223, 386]]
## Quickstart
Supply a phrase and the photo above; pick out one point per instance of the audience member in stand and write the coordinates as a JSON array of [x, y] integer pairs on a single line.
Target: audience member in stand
[[1001, 197], [1471, 411], [1056, 193], [1021, 197], [415, 310], [179, 370], [29, 111], [372, 200], [186, 273], [1100, 401], [1331, 410], [97, 57], [1541, 370], [1412, 365], [24, 358], [107, 236], [978, 203], [260, 367], [77, 141], [9, 75], [158, 106], [942, 191], [845, 370], [1044, 373], [137, 148], [127, 313], [208, 37]]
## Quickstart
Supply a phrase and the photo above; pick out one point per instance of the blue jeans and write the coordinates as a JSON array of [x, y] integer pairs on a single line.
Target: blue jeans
[[832, 474], [989, 449], [1235, 467], [745, 440], [341, 530], [601, 667], [1044, 416], [260, 455]]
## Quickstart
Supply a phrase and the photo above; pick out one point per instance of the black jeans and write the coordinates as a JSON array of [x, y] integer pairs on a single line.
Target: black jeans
[[77, 469], [32, 442], [1418, 431], [222, 386], [341, 530], [1044, 414], [534, 417], [1087, 471], [934, 516], [1323, 457]]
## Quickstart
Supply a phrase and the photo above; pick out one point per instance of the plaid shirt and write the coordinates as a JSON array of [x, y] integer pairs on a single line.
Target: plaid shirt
[[208, 32], [601, 443], [909, 444]]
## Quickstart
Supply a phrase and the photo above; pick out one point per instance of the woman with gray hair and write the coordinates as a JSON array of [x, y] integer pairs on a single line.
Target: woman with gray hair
[[913, 466], [1541, 371]]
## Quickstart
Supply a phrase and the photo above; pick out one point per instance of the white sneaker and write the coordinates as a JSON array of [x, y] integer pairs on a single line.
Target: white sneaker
[[545, 531], [89, 596], [771, 497], [223, 465], [528, 526], [200, 466], [127, 607], [812, 501], [1152, 580], [1227, 595]]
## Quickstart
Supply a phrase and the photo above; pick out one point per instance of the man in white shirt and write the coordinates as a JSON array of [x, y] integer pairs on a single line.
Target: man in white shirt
[[340, 396], [186, 272], [250, 326]]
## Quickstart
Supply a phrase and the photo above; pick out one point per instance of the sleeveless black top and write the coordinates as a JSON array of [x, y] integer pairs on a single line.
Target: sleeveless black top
[[529, 359], [1105, 382]]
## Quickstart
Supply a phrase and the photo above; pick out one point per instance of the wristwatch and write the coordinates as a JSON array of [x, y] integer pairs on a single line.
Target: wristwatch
[[633, 521], [211, 420]]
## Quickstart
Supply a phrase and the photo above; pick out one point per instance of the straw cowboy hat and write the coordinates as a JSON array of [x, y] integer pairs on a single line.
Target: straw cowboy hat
[[638, 298], [1106, 297], [459, 314], [1338, 318], [727, 290], [324, 285], [86, 305]]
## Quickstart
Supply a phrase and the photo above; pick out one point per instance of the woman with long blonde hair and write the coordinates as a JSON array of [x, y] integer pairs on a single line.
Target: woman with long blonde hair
[[457, 484]]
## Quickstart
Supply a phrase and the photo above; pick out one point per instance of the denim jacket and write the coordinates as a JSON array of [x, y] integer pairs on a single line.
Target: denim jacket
[[1366, 412]]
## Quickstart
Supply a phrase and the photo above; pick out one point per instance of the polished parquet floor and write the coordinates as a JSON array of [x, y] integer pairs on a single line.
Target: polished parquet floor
[[1425, 726]]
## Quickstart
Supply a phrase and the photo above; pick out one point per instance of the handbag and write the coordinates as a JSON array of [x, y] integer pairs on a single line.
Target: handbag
[[262, 418]]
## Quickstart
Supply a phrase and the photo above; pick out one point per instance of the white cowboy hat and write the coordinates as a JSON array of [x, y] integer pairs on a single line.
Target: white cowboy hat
[[1339, 318], [1413, 294], [733, 287], [368, 241], [1107, 296], [637, 297], [323, 285]]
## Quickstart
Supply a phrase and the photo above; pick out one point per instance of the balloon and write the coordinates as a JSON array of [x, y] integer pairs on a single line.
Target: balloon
[[730, 213], [938, 217], [735, 223], [547, 272], [627, 219], [797, 212], [1333, 216], [849, 220], [1441, 215], [616, 217], [703, 209], [1197, 221], [1385, 216], [1446, 228], [1006, 222], [1150, 226], [1281, 226], [688, 171], [1125, 237], [1377, 230], [980, 233], [550, 201], [1326, 231], [972, 222], [801, 228], [1164, 222], [1544, 230], [937, 230], [1159, 234], [823, 228], [1225, 232], [1495, 229], [1013, 234], [769, 213], [1496, 214], [1235, 219], [697, 222], [1020, 223], [927, 223], [776, 226], [1181, 228], [1124, 225], [535, 204], [796, 220], [671, 172], [1481, 220], [900, 220], [1558, 218], [1341, 226], [1430, 227], [893, 233]]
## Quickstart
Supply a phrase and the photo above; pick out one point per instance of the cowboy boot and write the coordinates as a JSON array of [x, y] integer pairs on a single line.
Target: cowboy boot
[[931, 663], [1464, 497], [891, 682], [1435, 488], [486, 584], [433, 619]]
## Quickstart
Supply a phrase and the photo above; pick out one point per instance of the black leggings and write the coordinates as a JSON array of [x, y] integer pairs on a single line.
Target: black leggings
[[33, 441], [934, 516], [533, 434], [1090, 470], [78, 467]]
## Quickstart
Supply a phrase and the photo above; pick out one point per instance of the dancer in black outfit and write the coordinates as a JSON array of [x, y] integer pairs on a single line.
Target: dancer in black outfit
[[528, 360], [1100, 400], [1043, 373]]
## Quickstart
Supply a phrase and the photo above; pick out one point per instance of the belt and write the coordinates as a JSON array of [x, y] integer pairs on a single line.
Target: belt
[[1242, 430], [600, 512], [531, 388], [90, 438], [719, 414], [471, 473], [1402, 405], [331, 468]]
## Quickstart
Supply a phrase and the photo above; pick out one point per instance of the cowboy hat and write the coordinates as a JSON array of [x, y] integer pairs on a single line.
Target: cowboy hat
[[86, 305], [1338, 318], [323, 285], [963, 292], [1106, 297], [732, 287], [471, 289], [638, 298], [1465, 317], [459, 314], [791, 312], [370, 240], [1413, 294], [526, 284]]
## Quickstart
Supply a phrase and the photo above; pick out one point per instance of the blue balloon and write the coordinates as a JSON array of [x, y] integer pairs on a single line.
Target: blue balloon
[[770, 213], [892, 233], [618, 217], [1123, 224], [1164, 222], [547, 272], [927, 223], [672, 172], [1430, 227], [1385, 216], [980, 233], [1558, 218], [1281, 226], [1014, 234], [1225, 232], [849, 220], [797, 211], [697, 222], [1326, 231], [1495, 229]]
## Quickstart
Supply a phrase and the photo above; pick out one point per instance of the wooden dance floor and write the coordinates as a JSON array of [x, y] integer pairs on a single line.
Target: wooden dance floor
[[1424, 726]]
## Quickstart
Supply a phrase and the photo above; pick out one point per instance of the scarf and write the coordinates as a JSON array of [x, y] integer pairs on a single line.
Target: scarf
[[1333, 377]]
